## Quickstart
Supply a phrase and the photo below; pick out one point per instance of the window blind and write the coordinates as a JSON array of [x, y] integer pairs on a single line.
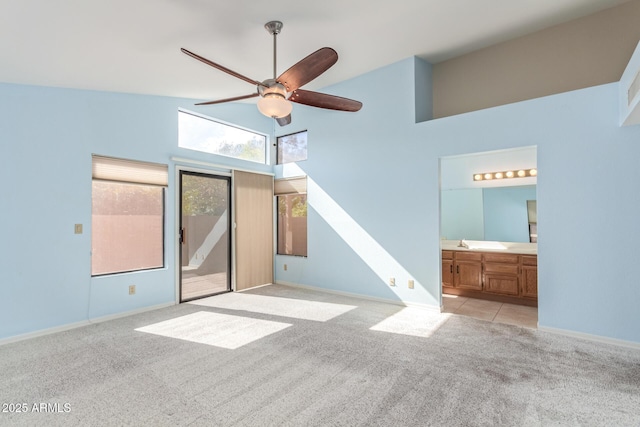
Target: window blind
[[297, 185], [254, 229], [129, 171]]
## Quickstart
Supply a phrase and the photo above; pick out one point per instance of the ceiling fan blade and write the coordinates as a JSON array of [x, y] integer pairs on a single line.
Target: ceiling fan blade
[[221, 68], [323, 100], [235, 98], [283, 121], [308, 68]]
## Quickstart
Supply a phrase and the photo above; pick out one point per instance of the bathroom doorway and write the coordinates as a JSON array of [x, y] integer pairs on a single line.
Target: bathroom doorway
[[488, 261]]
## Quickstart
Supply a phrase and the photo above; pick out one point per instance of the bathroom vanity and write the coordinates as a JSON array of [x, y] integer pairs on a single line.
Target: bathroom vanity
[[498, 271]]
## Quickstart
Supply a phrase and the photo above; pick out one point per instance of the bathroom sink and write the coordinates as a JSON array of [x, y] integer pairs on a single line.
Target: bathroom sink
[[483, 245]]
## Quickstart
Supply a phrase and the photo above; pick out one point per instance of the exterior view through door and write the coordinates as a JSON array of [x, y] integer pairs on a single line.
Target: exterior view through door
[[205, 238]]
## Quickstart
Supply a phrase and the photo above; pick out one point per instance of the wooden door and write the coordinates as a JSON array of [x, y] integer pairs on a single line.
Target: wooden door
[[530, 281], [501, 278], [447, 268], [468, 275], [530, 276], [447, 273]]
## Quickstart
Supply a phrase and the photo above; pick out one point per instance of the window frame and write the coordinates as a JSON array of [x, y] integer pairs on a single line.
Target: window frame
[[265, 150], [120, 181], [279, 138], [291, 187]]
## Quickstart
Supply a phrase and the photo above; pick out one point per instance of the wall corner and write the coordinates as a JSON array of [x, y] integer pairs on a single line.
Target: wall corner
[[423, 90]]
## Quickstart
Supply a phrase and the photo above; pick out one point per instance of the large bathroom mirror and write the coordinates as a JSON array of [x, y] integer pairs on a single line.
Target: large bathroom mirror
[[495, 214], [492, 210]]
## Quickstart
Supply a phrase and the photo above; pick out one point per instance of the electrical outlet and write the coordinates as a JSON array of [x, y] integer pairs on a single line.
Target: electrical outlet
[[411, 284], [392, 281], [285, 267], [132, 289], [77, 229]]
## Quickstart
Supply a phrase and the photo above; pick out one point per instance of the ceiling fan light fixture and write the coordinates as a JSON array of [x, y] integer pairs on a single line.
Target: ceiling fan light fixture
[[277, 94], [274, 105]]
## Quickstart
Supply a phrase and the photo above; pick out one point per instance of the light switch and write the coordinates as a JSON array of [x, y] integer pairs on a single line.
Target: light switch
[[78, 229]]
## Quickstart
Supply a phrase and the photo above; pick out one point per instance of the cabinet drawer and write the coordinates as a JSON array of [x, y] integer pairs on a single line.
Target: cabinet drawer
[[447, 254], [529, 260], [506, 258], [468, 256], [501, 268]]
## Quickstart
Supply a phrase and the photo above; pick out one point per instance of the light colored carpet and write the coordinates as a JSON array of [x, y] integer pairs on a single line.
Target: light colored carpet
[[236, 360]]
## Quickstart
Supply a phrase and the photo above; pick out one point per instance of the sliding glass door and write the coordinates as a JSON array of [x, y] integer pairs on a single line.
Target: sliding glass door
[[205, 237]]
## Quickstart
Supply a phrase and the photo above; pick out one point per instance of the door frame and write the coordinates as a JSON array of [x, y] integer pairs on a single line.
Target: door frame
[[178, 220]]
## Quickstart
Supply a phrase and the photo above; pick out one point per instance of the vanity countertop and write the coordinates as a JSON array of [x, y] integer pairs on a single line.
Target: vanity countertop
[[490, 246]]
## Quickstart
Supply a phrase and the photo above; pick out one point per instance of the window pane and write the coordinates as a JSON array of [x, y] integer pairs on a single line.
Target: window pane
[[127, 227], [209, 136], [292, 224], [292, 148]]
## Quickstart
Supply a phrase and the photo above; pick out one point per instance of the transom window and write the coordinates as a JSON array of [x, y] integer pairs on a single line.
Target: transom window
[[214, 137], [292, 148]]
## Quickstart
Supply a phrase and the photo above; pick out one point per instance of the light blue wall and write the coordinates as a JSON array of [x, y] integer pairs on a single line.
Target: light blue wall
[[373, 197], [506, 217], [367, 202], [48, 136], [378, 172], [423, 90]]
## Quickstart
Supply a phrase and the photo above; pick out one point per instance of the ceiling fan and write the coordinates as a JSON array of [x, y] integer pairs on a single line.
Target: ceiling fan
[[276, 94]]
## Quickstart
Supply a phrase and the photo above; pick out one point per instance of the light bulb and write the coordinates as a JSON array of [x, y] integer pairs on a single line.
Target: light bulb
[[477, 177], [510, 174], [533, 172], [521, 173], [499, 175], [488, 176]]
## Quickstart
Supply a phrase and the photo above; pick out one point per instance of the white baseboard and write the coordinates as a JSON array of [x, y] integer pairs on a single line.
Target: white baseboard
[[69, 326], [433, 308], [590, 337], [130, 313], [43, 332]]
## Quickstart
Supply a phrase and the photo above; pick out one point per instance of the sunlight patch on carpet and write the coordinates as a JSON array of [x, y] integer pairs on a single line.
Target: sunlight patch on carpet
[[285, 307], [412, 321], [219, 330]]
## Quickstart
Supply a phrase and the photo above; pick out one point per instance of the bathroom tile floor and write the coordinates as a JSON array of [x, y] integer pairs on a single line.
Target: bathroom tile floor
[[491, 311]]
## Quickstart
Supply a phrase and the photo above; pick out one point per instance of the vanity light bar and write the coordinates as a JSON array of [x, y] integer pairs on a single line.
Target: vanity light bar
[[515, 173]]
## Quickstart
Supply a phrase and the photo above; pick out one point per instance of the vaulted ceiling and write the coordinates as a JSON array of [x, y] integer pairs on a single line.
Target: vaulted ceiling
[[134, 46]]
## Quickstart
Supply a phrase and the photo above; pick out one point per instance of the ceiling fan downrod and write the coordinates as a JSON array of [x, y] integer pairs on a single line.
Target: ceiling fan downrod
[[274, 28]]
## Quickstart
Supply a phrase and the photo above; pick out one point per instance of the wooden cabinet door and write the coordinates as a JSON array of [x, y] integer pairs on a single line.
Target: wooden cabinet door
[[502, 278], [529, 281], [447, 273], [501, 284], [468, 275]]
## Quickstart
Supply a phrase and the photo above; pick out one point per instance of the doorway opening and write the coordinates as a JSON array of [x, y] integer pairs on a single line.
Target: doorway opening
[[205, 236], [488, 259]]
